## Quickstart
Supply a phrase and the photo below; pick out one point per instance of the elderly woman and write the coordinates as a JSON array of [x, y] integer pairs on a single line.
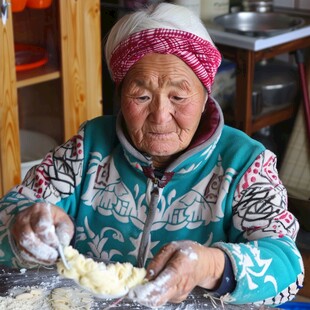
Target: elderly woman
[[165, 184]]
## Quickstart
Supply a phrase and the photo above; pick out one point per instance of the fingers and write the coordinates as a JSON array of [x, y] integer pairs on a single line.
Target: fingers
[[36, 232], [158, 292], [175, 271], [64, 226], [36, 251], [161, 259], [155, 293], [42, 224], [64, 232], [170, 275], [185, 250]]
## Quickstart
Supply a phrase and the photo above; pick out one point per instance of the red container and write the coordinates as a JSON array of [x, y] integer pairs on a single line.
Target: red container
[[38, 4], [18, 5]]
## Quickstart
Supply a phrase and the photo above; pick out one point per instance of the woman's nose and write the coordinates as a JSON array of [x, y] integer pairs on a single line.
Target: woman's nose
[[161, 110]]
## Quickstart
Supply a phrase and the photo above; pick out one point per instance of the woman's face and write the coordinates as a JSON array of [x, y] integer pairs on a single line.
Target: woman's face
[[162, 100]]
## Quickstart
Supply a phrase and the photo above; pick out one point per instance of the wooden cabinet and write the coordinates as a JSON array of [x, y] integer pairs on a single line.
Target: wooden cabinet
[[245, 60], [67, 88]]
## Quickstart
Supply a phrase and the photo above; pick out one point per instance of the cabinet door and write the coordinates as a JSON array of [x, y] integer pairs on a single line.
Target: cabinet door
[[80, 76], [81, 62], [9, 132]]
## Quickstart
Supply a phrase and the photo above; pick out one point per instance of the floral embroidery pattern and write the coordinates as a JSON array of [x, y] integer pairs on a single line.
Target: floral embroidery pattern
[[260, 202]]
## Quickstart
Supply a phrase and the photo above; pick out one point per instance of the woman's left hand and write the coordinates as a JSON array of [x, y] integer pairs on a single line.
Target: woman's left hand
[[176, 270]]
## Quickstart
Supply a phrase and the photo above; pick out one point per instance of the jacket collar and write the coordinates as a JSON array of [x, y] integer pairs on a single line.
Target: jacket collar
[[206, 137]]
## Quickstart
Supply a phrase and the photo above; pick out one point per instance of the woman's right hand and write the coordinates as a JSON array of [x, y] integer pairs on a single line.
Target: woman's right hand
[[39, 229]]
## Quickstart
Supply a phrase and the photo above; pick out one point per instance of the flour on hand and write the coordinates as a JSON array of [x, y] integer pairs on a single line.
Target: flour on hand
[[112, 280]]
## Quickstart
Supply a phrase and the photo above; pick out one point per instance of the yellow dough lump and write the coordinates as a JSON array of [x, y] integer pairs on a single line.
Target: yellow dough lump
[[99, 278]]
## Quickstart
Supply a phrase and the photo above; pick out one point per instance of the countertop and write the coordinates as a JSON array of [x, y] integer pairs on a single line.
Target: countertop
[[220, 36]]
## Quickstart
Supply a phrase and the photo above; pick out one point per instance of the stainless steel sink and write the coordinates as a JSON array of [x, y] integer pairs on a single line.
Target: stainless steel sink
[[259, 24]]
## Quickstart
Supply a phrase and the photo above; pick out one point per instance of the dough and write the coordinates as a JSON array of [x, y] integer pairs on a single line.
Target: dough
[[110, 280], [31, 300], [62, 298], [67, 298]]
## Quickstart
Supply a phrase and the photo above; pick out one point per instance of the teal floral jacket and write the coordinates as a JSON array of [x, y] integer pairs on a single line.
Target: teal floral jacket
[[223, 191]]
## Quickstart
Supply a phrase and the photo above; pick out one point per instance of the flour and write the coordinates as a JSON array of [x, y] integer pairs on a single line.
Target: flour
[[47, 232], [35, 299], [62, 233], [23, 270], [192, 255], [147, 294], [64, 298], [61, 298], [43, 252]]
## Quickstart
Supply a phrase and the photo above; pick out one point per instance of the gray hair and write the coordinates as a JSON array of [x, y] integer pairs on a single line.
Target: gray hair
[[163, 15]]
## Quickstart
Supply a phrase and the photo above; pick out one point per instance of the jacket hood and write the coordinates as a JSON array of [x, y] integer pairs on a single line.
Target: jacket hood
[[205, 139]]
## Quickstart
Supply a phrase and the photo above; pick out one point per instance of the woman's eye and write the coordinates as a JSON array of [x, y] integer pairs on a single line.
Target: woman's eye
[[177, 98], [143, 98]]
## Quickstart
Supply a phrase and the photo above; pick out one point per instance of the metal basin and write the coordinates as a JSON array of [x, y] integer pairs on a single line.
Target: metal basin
[[275, 82], [257, 6], [258, 24]]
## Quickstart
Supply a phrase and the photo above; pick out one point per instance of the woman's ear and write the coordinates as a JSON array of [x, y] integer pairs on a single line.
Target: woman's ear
[[205, 101]]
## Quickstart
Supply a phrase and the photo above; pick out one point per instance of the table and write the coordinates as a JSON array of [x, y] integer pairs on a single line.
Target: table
[[245, 51], [48, 278]]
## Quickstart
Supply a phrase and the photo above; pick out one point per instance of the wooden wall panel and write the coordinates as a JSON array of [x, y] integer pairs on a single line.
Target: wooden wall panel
[[80, 74], [81, 62], [9, 132]]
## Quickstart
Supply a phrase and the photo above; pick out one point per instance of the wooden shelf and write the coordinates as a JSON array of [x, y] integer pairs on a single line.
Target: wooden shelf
[[268, 116], [70, 32], [245, 66], [45, 73], [273, 117]]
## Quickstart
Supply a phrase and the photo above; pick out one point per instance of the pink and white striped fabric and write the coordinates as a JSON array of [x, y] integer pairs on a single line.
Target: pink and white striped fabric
[[199, 54]]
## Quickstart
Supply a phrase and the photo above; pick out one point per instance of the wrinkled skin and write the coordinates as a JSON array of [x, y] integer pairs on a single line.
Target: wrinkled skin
[[176, 270], [39, 229], [162, 101]]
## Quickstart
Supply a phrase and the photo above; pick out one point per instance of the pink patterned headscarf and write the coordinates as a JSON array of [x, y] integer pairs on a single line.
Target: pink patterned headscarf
[[199, 54]]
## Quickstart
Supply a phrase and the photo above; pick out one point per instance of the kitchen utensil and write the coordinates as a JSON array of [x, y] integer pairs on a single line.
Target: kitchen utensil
[[38, 4], [29, 57], [258, 6], [121, 295], [275, 83], [258, 24], [18, 5], [60, 246], [62, 256]]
